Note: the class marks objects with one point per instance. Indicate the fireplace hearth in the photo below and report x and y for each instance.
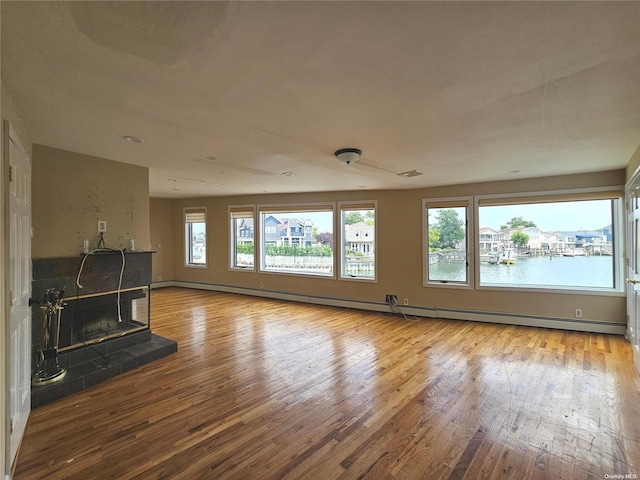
(104, 326)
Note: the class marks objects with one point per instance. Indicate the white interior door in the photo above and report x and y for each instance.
(19, 328)
(633, 266)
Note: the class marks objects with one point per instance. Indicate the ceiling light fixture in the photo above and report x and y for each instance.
(287, 174)
(131, 138)
(348, 155)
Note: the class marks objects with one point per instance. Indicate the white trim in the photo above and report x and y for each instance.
(548, 193)
(342, 206)
(266, 209)
(618, 222)
(565, 290)
(4, 293)
(187, 243)
(582, 325)
(470, 236)
(295, 207)
(163, 284)
(233, 238)
(629, 251)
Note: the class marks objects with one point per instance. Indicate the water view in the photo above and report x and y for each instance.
(586, 271)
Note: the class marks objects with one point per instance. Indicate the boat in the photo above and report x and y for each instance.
(508, 257)
(574, 252)
(491, 258)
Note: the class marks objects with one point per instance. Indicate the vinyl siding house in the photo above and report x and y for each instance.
(245, 232)
(360, 237)
(489, 239)
(288, 231)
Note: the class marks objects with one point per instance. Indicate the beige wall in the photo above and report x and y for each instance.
(72, 191)
(162, 238)
(399, 249)
(10, 113)
(633, 164)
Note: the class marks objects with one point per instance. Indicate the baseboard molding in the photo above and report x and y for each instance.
(581, 325)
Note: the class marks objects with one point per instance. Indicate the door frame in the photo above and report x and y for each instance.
(8, 458)
(4, 291)
(631, 290)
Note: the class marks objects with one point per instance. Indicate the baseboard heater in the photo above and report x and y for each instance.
(579, 325)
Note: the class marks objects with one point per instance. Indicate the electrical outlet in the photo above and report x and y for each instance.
(102, 226)
(261, 285)
(159, 246)
(159, 278)
(406, 301)
(391, 299)
(578, 313)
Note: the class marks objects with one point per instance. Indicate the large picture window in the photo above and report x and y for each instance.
(446, 241)
(297, 239)
(562, 241)
(242, 237)
(358, 223)
(195, 229)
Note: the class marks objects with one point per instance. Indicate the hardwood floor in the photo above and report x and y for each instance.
(265, 389)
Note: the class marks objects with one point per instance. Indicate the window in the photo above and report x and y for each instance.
(241, 239)
(446, 242)
(297, 239)
(561, 241)
(195, 228)
(358, 252)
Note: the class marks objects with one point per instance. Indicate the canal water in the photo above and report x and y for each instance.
(588, 271)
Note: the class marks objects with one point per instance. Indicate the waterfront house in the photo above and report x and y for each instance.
(593, 241)
(489, 239)
(360, 237)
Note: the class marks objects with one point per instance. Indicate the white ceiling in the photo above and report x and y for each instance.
(228, 96)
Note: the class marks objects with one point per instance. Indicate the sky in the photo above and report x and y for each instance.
(560, 216)
(322, 220)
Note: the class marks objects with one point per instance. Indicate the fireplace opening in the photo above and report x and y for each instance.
(94, 318)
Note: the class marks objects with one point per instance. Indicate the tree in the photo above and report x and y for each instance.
(245, 248)
(450, 227)
(520, 239)
(353, 217)
(325, 238)
(516, 222)
(370, 217)
(434, 237)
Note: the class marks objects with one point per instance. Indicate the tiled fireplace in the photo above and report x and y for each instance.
(104, 326)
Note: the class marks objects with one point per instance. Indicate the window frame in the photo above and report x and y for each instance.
(237, 212)
(188, 235)
(470, 235)
(279, 208)
(596, 193)
(354, 206)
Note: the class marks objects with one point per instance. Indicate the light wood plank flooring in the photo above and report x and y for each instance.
(265, 389)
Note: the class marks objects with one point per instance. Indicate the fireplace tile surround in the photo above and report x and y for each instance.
(94, 352)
